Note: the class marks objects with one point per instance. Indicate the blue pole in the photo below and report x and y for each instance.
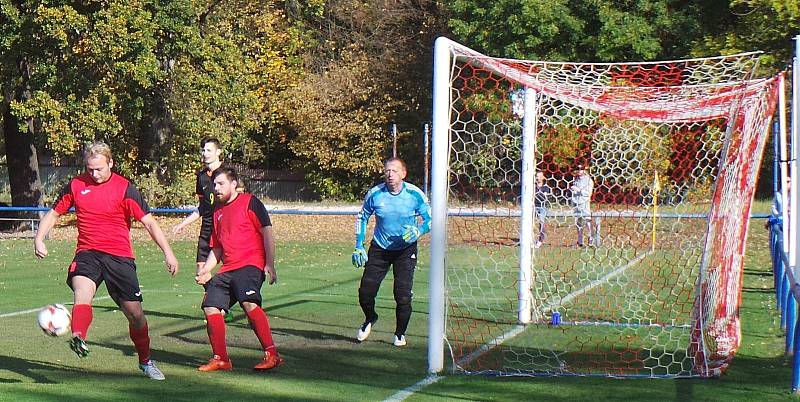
(777, 263)
(787, 315)
(791, 317)
(796, 362)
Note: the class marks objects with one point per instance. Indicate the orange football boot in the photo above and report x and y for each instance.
(216, 364)
(271, 360)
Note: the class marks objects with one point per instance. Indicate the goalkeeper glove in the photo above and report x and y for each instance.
(411, 233)
(359, 257)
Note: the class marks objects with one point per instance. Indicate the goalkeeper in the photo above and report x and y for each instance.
(398, 207)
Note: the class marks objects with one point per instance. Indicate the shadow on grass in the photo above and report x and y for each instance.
(748, 289)
(159, 355)
(31, 369)
(755, 272)
(749, 378)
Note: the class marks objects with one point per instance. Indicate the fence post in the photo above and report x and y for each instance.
(394, 140)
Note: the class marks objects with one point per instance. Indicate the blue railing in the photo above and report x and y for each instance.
(787, 292)
(279, 211)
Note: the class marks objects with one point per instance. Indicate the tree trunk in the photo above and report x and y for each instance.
(21, 155)
(23, 164)
(153, 144)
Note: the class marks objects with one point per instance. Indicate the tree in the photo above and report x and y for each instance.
(368, 64)
(746, 25)
(149, 77)
(86, 69)
(340, 118)
(586, 30)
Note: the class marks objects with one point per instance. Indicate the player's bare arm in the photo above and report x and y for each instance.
(46, 223)
(195, 215)
(269, 253)
(158, 236)
(203, 274)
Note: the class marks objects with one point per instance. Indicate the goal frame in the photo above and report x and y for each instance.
(443, 63)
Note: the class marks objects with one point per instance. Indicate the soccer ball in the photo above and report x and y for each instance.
(54, 319)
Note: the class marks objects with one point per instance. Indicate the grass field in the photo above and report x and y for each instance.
(314, 313)
(625, 303)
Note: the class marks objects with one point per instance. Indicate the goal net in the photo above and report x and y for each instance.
(625, 259)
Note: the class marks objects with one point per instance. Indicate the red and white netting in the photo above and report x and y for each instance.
(673, 150)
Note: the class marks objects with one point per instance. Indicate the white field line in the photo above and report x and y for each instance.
(34, 310)
(410, 390)
(595, 283)
(189, 292)
(20, 312)
(199, 292)
(518, 329)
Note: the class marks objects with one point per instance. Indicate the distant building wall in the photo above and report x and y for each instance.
(53, 179)
(278, 185)
(275, 185)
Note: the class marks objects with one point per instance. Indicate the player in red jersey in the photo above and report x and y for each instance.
(242, 238)
(105, 203)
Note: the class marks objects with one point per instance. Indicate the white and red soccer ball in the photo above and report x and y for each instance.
(55, 319)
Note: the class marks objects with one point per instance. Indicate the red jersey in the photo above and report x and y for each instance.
(104, 212)
(237, 229)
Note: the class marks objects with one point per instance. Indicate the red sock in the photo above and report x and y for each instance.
(216, 335)
(260, 324)
(81, 319)
(141, 341)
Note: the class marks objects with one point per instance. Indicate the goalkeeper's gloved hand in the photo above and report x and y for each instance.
(411, 233)
(359, 257)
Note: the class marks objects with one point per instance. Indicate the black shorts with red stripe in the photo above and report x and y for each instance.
(240, 285)
(119, 274)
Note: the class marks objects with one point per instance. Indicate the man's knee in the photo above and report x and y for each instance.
(367, 292)
(249, 306)
(403, 298)
(133, 312)
(369, 285)
(211, 310)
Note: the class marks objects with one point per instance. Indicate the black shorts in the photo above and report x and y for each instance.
(119, 274)
(240, 285)
(204, 240)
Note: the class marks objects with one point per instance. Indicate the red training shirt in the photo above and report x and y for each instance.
(104, 212)
(237, 229)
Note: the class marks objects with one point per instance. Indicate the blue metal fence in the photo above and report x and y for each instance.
(787, 292)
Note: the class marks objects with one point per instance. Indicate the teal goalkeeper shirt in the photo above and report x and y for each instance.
(393, 212)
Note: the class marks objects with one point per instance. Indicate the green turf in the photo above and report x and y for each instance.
(625, 303)
(313, 312)
(622, 312)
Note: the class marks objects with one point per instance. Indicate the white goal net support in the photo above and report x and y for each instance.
(626, 259)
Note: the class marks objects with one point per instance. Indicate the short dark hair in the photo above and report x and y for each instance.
(396, 159)
(212, 140)
(228, 171)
